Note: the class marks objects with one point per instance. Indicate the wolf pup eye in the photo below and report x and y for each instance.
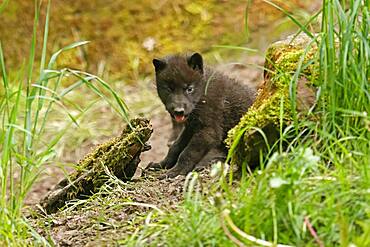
(190, 89)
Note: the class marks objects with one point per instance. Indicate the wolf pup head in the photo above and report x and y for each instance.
(180, 83)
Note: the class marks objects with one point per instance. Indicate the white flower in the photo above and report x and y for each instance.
(277, 182)
(219, 168)
(149, 43)
(310, 158)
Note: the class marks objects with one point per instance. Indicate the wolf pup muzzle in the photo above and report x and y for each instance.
(179, 115)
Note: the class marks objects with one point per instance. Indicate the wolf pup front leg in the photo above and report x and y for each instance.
(197, 149)
(174, 151)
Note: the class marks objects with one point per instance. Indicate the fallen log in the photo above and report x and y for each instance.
(119, 156)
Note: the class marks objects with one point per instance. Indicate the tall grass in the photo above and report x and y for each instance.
(28, 98)
(316, 192)
(345, 74)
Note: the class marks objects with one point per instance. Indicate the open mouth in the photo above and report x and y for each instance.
(180, 118)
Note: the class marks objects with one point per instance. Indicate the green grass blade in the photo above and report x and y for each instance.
(3, 70)
(246, 19)
(122, 110)
(45, 41)
(290, 16)
(69, 47)
(7, 149)
(28, 106)
(236, 48)
(3, 5)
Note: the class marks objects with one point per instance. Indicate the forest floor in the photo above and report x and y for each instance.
(109, 218)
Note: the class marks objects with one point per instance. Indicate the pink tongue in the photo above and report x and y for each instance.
(179, 118)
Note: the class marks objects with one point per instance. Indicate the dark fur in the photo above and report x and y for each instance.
(212, 105)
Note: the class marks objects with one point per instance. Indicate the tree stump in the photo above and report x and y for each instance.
(281, 63)
(119, 156)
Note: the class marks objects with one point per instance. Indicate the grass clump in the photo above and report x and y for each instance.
(27, 100)
(295, 200)
(315, 192)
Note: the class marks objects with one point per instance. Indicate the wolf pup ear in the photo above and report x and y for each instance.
(159, 65)
(196, 62)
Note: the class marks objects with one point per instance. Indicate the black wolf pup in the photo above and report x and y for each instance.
(207, 102)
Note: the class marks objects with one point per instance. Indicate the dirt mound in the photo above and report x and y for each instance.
(113, 214)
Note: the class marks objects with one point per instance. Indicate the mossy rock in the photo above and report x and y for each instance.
(282, 61)
(118, 156)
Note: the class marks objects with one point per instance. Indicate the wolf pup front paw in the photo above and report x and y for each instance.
(176, 171)
(164, 164)
(170, 174)
(154, 166)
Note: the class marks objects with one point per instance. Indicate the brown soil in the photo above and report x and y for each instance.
(114, 214)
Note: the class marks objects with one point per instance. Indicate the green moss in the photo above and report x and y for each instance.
(114, 155)
(259, 116)
(282, 59)
(118, 156)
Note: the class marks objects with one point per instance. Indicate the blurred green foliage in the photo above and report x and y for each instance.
(118, 30)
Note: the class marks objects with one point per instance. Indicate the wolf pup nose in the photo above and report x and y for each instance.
(206, 102)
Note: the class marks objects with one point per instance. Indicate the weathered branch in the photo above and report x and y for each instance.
(120, 156)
